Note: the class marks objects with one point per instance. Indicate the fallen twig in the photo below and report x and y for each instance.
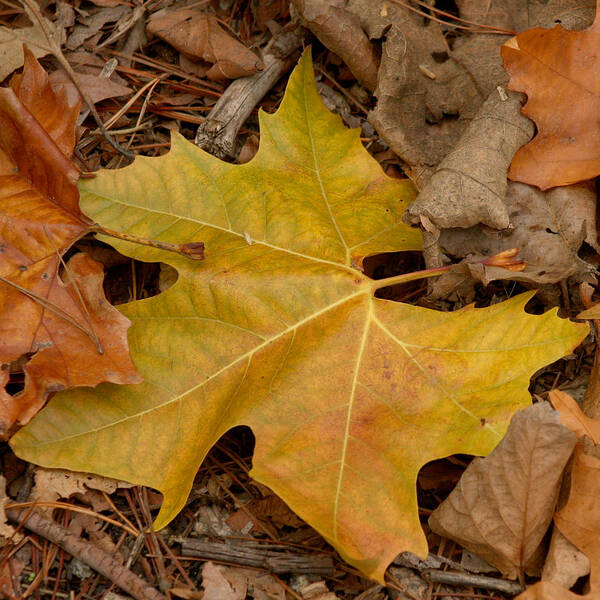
(275, 558)
(479, 581)
(217, 134)
(87, 553)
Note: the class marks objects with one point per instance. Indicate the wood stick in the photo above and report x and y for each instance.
(218, 133)
(274, 558)
(86, 552)
(479, 581)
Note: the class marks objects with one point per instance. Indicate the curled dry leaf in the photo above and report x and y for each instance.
(40, 219)
(554, 67)
(548, 228)
(340, 30)
(469, 185)
(503, 504)
(198, 34)
(278, 329)
(427, 92)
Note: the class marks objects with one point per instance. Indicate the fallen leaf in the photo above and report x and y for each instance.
(40, 220)
(6, 531)
(548, 590)
(348, 395)
(217, 586)
(91, 25)
(53, 484)
(198, 34)
(503, 504)
(579, 519)
(564, 564)
(340, 30)
(13, 40)
(98, 88)
(572, 417)
(548, 228)
(469, 185)
(233, 583)
(553, 67)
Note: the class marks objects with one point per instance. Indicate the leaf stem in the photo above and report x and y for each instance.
(507, 259)
(194, 250)
(406, 277)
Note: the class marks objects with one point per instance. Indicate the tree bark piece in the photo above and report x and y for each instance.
(86, 552)
(218, 133)
(275, 558)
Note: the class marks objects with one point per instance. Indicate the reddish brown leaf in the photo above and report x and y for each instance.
(39, 220)
(556, 68)
(199, 34)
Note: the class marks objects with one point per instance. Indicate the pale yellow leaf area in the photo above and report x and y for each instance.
(347, 395)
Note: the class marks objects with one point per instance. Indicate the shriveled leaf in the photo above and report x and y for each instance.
(198, 34)
(556, 68)
(503, 504)
(340, 30)
(348, 395)
(548, 228)
(40, 219)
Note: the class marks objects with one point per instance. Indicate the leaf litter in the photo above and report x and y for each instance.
(576, 236)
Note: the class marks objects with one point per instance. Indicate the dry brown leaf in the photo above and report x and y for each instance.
(233, 583)
(470, 183)
(572, 417)
(565, 564)
(340, 30)
(553, 67)
(548, 228)
(40, 219)
(91, 25)
(6, 531)
(198, 34)
(53, 484)
(426, 92)
(98, 88)
(579, 519)
(13, 40)
(548, 590)
(503, 504)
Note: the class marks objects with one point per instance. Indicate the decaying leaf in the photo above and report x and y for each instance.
(469, 185)
(554, 67)
(6, 531)
(40, 219)
(12, 40)
(504, 503)
(340, 30)
(348, 395)
(548, 228)
(233, 583)
(579, 519)
(198, 34)
(98, 88)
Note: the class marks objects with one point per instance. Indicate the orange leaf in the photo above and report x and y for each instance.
(557, 70)
(573, 418)
(40, 219)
